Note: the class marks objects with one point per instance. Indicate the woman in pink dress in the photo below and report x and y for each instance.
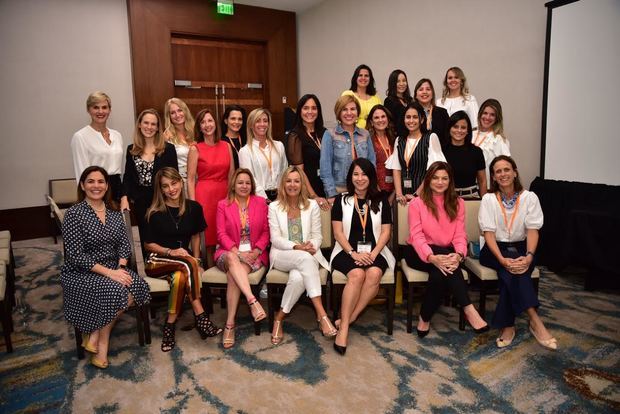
(209, 168)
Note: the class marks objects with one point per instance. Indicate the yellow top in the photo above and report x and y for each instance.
(365, 106)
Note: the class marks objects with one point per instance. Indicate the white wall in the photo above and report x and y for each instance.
(54, 53)
(500, 44)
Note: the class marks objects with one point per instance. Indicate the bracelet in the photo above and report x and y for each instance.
(350, 252)
(462, 257)
(199, 260)
(167, 254)
(529, 253)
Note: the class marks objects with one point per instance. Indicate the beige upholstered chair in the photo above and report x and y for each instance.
(6, 256)
(57, 215)
(63, 192)
(5, 309)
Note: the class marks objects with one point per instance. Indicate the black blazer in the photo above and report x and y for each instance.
(440, 122)
(396, 108)
(168, 158)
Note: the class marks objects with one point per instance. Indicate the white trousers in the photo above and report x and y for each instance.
(303, 275)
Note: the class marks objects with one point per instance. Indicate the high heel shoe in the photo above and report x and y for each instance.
(421, 333)
(88, 348)
(258, 313)
(228, 339)
(205, 327)
(332, 330)
(340, 349)
(98, 363)
(275, 338)
(484, 329)
(545, 343)
(167, 341)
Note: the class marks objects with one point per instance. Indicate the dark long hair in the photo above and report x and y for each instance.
(299, 126)
(456, 117)
(224, 127)
(517, 182)
(393, 80)
(402, 129)
(450, 200)
(370, 89)
(107, 197)
(419, 84)
(389, 132)
(373, 194)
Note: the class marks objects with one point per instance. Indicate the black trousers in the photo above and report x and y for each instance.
(438, 284)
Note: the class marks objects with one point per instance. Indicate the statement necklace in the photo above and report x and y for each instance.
(509, 202)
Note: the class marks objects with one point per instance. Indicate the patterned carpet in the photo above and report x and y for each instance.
(448, 372)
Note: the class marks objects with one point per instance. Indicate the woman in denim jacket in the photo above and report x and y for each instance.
(341, 145)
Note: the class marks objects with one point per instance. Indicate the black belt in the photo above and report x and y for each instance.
(466, 191)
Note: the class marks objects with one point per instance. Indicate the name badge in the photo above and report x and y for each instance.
(364, 247)
(408, 183)
(245, 247)
(318, 173)
(389, 179)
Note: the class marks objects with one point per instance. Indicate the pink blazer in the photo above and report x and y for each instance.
(228, 225)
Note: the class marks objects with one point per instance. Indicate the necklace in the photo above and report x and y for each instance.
(176, 222)
(509, 202)
(96, 209)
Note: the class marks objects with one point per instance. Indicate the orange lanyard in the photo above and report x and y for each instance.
(268, 159)
(232, 144)
(514, 214)
(409, 154)
(363, 217)
(387, 151)
(243, 214)
(478, 142)
(316, 141)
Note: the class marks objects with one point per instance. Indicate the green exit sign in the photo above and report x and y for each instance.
(225, 7)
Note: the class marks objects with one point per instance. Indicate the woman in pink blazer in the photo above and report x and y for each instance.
(242, 237)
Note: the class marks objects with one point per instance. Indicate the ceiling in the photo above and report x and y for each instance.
(297, 6)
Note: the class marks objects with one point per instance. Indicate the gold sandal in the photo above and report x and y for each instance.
(258, 313)
(332, 330)
(228, 339)
(275, 339)
(98, 363)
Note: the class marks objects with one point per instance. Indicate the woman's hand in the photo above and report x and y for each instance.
(401, 199)
(362, 259)
(331, 200)
(323, 203)
(120, 275)
(306, 247)
(180, 252)
(124, 203)
(442, 262)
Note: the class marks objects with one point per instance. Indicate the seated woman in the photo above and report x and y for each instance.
(362, 225)
(295, 227)
(437, 233)
(172, 236)
(96, 285)
(510, 218)
(242, 237)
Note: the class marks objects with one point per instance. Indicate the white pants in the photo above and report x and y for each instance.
(303, 275)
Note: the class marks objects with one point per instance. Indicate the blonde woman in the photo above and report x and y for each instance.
(490, 136)
(179, 130)
(262, 155)
(295, 228)
(456, 97)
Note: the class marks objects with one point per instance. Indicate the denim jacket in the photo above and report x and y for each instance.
(336, 156)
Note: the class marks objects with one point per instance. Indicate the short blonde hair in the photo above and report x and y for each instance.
(343, 101)
(97, 97)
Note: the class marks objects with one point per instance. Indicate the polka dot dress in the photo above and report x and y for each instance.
(91, 301)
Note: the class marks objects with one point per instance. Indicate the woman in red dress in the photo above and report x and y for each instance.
(381, 128)
(209, 167)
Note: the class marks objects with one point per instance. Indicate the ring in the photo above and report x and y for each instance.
(320, 203)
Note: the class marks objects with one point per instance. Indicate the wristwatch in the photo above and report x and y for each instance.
(350, 252)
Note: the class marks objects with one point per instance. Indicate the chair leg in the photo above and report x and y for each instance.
(270, 310)
(140, 326)
(78, 343)
(409, 307)
(483, 298)
(147, 323)
(461, 319)
(208, 299)
(255, 292)
(7, 323)
(390, 308)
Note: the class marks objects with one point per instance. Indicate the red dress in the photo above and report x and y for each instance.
(212, 182)
(382, 171)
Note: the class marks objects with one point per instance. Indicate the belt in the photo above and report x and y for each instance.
(467, 190)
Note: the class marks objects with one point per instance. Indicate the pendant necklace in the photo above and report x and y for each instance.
(176, 222)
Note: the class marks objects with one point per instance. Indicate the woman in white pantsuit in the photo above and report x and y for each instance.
(295, 227)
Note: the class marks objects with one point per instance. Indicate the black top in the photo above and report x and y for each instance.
(301, 149)
(131, 185)
(466, 161)
(356, 224)
(396, 108)
(236, 145)
(170, 231)
(439, 124)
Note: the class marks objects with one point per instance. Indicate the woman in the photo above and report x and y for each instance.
(362, 225)
(303, 148)
(173, 239)
(510, 218)
(466, 160)
(437, 233)
(264, 157)
(210, 166)
(145, 157)
(341, 146)
(364, 91)
(436, 117)
(456, 97)
(179, 131)
(96, 144)
(489, 136)
(413, 154)
(398, 95)
(233, 131)
(242, 239)
(295, 228)
(381, 130)
(97, 287)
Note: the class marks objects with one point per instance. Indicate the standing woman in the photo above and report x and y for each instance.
(264, 157)
(413, 154)
(398, 95)
(96, 285)
(96, 144)
(179, 131)
(437, 234)
(342, 145)
(173, 238)
(242, 239)
(456, 97)
(362, 224)
(303, 148)
(233, 131)
(381, 130)
(466, 160)
(145, 157)
(510, 218)
(490, 134)
(210, 166)
(437, 118)
(364, 91)
(295, 228)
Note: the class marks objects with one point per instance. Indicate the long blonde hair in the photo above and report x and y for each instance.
(252, 119)
(170, 132)
(464, 88)
(159, 200)
(303, 194)
(138, 139)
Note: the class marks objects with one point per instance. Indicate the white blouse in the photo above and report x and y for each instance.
(182, 153)
(90, 148)
(469, 105)
(255, 159)
(529, 216)
(434, 152)
(491, 145)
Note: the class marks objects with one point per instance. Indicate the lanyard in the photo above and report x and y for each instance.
(316, 141)
(363, 217)
(478, 142)
(243, 214)
(429, 119)
(232, 143)
(387, 151)
(409, 154)
(268, 159)
(514, 214)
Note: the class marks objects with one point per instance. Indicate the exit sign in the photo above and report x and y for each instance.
(225, 7)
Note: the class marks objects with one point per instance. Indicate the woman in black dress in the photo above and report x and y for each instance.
(233, 131)
(172, 237)
(303, 148)
(362, 225)
(436, 117)
(97, 287)
(398, 95)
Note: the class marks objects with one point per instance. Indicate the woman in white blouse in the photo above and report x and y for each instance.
(263, 156)
(295, 228)
(490, 135)
(96, 144)
(179, 131)
(456, 97)
(510, 218)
